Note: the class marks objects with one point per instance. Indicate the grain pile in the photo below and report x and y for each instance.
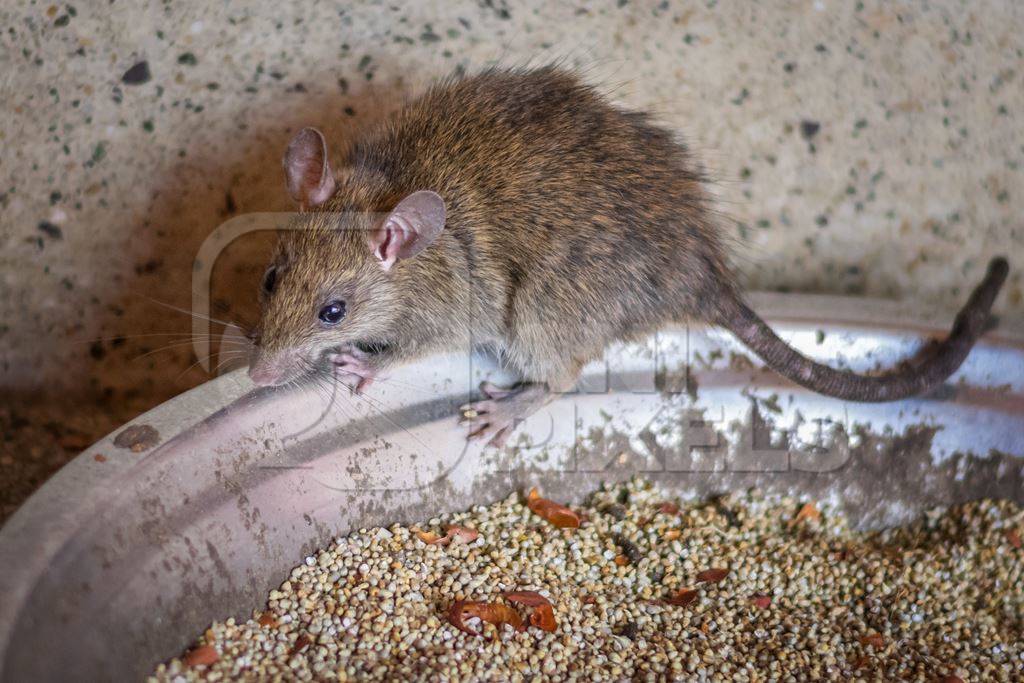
(738, 588)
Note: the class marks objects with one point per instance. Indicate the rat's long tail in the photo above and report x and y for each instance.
(893, 385)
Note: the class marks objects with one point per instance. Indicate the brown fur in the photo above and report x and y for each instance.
(571, 224)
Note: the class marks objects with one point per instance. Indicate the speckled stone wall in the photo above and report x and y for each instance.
(858, 147)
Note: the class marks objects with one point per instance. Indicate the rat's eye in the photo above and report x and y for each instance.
(332, 313)
(269, 280)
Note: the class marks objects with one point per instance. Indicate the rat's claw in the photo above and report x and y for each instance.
(353, 381)
(499, 439)
(352, 369)
(485, 421)
(495, 433)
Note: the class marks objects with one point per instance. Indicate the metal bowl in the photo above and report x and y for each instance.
(198, 508)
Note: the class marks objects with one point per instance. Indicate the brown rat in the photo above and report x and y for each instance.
(519, 209)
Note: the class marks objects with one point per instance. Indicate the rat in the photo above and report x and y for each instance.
(519, 209)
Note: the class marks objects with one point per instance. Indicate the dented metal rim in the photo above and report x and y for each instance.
(195, 510)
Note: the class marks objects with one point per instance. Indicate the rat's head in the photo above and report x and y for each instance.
(333, 280)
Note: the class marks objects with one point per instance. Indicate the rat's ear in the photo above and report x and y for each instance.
(307, 171)
(409, 228)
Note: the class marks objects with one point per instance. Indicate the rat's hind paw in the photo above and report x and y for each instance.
(497, 415)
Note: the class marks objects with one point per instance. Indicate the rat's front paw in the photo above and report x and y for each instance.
(353, 368)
